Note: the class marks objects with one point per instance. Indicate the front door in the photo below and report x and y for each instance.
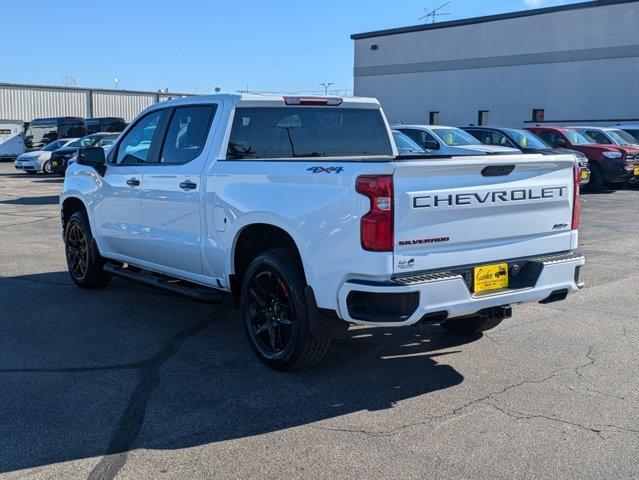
(117, 210)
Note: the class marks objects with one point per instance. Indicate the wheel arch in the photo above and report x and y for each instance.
(71, 205)
(250, 241)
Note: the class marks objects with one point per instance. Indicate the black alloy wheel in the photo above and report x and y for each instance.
(269, 312)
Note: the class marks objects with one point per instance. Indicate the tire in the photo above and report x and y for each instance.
(470, 325)
(84, 262)
(274, 313)
(596, 183)
(47, 169)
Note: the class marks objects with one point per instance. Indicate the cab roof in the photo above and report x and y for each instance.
(271, 99)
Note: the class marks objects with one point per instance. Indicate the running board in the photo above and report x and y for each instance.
(179, 287)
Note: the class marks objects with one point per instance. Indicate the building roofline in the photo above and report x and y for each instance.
(488, 18)
(87, 89)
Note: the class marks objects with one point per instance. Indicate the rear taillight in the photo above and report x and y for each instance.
(576, 203)
(376, 228)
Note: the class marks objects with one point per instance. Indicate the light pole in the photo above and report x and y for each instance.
(116, 81)
(326, 85)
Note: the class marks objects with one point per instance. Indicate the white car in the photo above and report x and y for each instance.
(39, 161)
(451, 141)
(609, 136)
(302, 211)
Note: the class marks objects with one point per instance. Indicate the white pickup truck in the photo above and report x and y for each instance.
(302, 210)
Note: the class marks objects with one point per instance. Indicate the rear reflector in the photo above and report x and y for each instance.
(376, 227)
(328, 101)
(576, 202)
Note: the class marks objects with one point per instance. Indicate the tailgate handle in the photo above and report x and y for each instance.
(497, 170)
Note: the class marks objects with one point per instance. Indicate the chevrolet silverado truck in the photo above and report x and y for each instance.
(301, 209)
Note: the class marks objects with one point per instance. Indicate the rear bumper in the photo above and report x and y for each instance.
(446, 294)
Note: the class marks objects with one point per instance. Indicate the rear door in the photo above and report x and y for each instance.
(473, 210)
(171, 195)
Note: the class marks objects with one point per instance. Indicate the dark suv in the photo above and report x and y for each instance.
(527, 142)
(609, 164)
(42, 131)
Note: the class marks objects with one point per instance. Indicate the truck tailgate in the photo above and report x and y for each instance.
(473, 210)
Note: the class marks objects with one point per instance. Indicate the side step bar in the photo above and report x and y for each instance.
(179, 287)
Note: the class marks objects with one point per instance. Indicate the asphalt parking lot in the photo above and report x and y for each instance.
(130, 382)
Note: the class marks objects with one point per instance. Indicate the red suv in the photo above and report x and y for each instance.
(611, 165)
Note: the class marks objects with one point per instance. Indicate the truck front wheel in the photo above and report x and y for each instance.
(274, 312)
(84, 262)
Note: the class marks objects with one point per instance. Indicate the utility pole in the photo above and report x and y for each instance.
(326, 85)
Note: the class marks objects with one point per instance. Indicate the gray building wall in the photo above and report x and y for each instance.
(26, 102)
(576, 64)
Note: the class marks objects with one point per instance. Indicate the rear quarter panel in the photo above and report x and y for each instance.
(319, 208)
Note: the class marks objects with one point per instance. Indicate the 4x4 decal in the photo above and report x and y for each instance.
(328, 170)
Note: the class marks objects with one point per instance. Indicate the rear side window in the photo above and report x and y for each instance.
(187, 134)
(307, 132)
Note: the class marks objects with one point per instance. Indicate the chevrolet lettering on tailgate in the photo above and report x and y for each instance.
(490, 197)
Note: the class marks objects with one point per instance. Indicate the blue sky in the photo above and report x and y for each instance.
(196, 45)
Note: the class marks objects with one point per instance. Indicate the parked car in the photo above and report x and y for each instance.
(632, 129)
(405, 146)
(60, 158)
(450, 141)
(609, 136)
(46, 130)
(40, 160)
(527, 142)
(11, 140)
(104, 124)
(609, 164)
(300, 209)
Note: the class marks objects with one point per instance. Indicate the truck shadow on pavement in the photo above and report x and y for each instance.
(97, 373)
(46, 200)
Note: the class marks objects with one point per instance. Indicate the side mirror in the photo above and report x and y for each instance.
(561, 143)
(430, 145)
(92, 157)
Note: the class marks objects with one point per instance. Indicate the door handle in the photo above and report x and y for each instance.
(188, 185)
(133, 182)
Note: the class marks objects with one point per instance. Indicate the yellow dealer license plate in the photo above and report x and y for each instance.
(585, 174)
(490, 277)
(636, 171)
(55, 163)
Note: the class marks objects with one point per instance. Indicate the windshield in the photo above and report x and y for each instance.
(53, 146)
(88, 141)
(405, 144)
(526, 139)
(301, 132)
(622, 138)
(38, 135)
(634, 133)
(454, 137)
(576, 138)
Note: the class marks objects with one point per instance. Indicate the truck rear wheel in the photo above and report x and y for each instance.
(470, 325)
(84, 262)
(274, 313)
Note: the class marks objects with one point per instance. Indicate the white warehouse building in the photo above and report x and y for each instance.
(576, 63)
(26, 102)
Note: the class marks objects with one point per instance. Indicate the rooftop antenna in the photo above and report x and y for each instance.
(430, 16)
